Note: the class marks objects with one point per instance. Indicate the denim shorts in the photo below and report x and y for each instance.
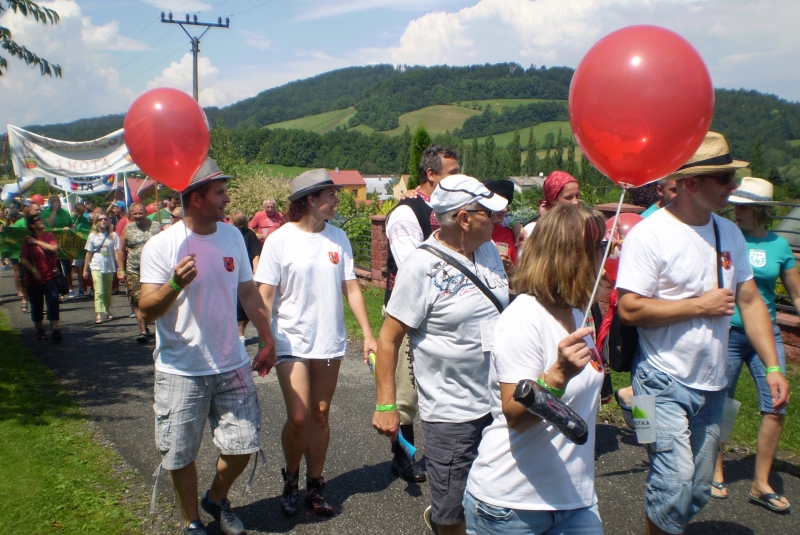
(741, 352)
(683, 456)
(182, 404)
(450, 450)
(483, 518)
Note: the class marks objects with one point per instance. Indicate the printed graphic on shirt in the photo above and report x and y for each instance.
(334, 257)
(758, 258)
(450, 281)
(727, 263)
(597, 361)
(229, 265)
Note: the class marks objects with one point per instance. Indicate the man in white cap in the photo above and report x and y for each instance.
(683, 271)
(189, 288)
(449, 319)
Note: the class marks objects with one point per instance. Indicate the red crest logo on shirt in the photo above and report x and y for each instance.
(727, 262)
(334, 257)
(229, 265)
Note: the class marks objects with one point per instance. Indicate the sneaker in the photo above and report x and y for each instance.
(290, 496)
(315, 499)
(142, 338)
(228, 522)
(56, 336)
(148, 333)
(81, 293)
(132, 315)
(40, 335)
(426, 516)
(195, 528)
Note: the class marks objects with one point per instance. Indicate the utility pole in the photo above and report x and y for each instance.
(195, 40)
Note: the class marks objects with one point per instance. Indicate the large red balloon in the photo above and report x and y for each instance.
(167, 136)
(640, 104)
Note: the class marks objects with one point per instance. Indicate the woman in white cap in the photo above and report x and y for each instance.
(304, 269)
(771, 258)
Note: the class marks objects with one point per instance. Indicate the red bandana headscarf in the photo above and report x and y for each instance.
(553, 185)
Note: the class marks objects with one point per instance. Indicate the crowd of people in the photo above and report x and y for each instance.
(475, 303)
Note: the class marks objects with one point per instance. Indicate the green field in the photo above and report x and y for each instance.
(794, 142)
(497, 104)
(436, 119)
(320, 123)
(273, 170)
(539, 133)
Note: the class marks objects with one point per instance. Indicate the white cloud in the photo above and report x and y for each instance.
(332, 8)
(180, 6)
(179, 74)
(256, 40)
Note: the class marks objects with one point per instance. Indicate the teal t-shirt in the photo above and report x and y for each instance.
(768, 257)
(650, 211)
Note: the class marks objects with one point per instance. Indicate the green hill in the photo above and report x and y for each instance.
(319, 123)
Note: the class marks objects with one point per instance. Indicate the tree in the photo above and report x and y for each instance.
(41, 14)
(405, 150)
(489, 162)
(515, 155)
(757, 166)
(475, 163)
(569, 165)
(222, 149)
(558, 156)
(419, 142)
(532, 162)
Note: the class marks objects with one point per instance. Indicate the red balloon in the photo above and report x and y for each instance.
(617, 231)
(38, 199)
(167, 136)
(151, 208)
(640, 104)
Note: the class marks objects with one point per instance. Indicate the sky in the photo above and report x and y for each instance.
(111, 51)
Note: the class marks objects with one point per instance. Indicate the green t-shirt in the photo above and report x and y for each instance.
(769, 256)
(83, 225)
(63, 219)
(162, 216)
(20, 223)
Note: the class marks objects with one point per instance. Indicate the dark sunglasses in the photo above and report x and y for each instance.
(102, 219)
(488, 213)
(174, 216)
(722, 180)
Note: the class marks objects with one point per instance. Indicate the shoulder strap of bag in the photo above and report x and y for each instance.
(470, 275)
(720, 279)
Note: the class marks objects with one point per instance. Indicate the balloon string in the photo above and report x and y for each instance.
(185, 230)
(603, 263)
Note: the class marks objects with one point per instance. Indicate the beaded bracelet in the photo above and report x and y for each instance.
(774, 369)
(386, 408)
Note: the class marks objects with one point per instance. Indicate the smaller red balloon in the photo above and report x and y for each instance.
(616, 230)
(38, 199)
(151, 208)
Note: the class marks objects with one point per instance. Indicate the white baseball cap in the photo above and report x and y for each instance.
(457, 191)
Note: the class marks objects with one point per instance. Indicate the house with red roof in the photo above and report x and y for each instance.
(351, 181)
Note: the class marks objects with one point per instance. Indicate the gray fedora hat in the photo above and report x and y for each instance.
(311, 182)
(208, 172)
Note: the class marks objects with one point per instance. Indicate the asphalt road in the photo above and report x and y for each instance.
(111, 376)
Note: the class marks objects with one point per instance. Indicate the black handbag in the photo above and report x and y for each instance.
(61, 280)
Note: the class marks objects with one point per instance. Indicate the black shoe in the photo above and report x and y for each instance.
(404, 467)
(315, 499)
(142, 338)
(56, 336)
(290, 496)
(228, 522)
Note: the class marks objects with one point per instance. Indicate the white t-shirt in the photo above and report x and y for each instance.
(198, 335)
(444, 311)
(102, 247)
(308, 270)
(538, 469)
(663, 258)
(403, 232)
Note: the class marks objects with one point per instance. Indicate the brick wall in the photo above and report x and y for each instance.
(790, 332)
(380, 250)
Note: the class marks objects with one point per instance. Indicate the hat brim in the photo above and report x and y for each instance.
(733, 199)
(706, 169)
(297, 195)
(196, 185)
(495, 203)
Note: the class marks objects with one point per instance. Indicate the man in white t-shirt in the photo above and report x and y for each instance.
(679, 288)
(191, 275)
(410, 223)
(449, 321)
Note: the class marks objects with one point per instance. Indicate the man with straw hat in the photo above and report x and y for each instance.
(683, 270)
(191, 276)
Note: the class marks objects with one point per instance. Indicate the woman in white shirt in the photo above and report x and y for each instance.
(100, 260)
(528, 477)
(304, 269)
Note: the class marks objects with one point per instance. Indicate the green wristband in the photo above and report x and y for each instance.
(775, 369)
(386, 408)
(174, 285)
(557, 392)
(262, 344)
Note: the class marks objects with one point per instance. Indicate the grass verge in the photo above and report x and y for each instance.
(53, 477)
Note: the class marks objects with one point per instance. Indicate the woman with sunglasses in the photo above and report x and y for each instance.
(528, 477)
(100, 260)
(39, 258)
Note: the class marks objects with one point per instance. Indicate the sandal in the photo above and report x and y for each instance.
(97, 320)
(24, 306)
(765, 500)
(719, 486)
(290, 496)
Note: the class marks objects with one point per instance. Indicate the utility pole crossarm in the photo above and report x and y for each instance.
(195, 40)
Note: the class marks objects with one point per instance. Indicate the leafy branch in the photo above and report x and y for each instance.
(45, 15)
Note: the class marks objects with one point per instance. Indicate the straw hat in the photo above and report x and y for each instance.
(713, 156)
(753, 191)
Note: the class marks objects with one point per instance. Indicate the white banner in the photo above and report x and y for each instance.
(81, 167)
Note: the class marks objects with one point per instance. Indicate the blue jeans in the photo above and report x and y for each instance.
(683, 456)
(483, 518)
(740, 352)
